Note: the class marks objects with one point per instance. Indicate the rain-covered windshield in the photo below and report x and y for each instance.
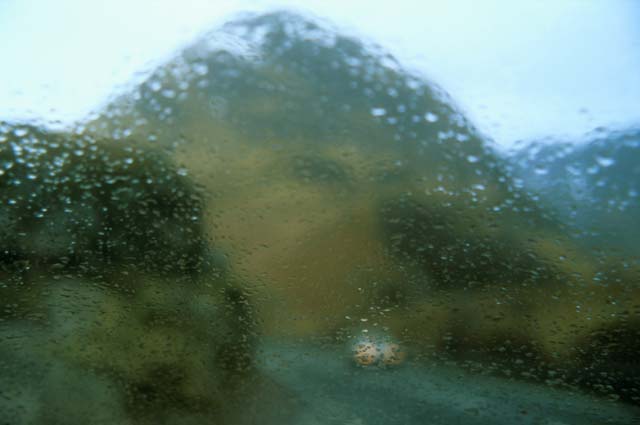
(284, 223)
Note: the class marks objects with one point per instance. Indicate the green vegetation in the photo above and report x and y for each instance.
(115, 302)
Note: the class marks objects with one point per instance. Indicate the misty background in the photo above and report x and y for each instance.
(520, 71)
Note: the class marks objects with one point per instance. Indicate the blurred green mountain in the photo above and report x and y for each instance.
(595, 185)
(341, 185)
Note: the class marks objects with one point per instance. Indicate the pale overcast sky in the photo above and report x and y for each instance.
(519, 69)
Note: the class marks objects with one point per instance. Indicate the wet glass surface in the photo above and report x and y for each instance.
(282, 224)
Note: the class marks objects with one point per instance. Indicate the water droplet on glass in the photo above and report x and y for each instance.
(378, 112)
(541, 171)
(201, 69)
(168, 93)
(430, 117)
(462, 137)
(155, 85)
(604, 161)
